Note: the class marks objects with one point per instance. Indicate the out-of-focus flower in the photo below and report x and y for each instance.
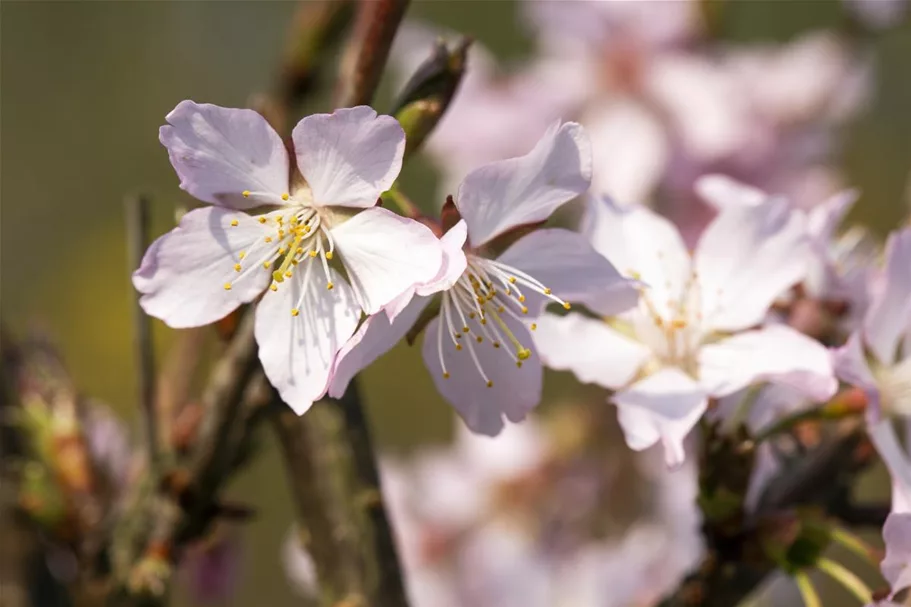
(210, 568)
(878, 13)
(690, 339)
(220, 257)
(478, 347)
(298, 564)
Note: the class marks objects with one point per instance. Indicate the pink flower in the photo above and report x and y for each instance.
(320, 251)
(479, 348)
(689, 339)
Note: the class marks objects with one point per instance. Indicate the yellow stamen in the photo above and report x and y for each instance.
(262, 220)
(227, 286)
(446, 375)
(566, 305)
(489, 383)
(523, 354)
(277, 276)
(246, 193)
(285, 196)
(458, 346)
(235, 223)
(479, 338)
(534, 326)
(330, 286)
(295, 311)
(547, 291)
(237, 267)
(512, 280)
(328, 254)
(273, 287)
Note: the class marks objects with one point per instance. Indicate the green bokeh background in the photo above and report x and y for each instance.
(85, 86)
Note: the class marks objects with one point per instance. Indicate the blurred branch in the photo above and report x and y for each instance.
(137, 218)
(364, 57)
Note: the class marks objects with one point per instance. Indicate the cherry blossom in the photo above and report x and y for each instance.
(478, 348)
(692, 336)
(316, 246)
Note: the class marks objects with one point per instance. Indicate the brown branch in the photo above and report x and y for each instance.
(365, 55)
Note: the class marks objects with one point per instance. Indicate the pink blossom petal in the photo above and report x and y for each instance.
(777, 353)
(896, 565)
(514, 393)
(589, 348)
(518, 191)
(722, 192)
(884, 438)
(376, 336)
(889, 315)
(566, 263)
(747, 257)
(298, 352)
(183, 274)
(643, 245)
(219, 153)
(386, 255)
(349, 157)
(850, 363)
(662, 407)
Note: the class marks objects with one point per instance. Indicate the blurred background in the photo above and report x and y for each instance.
(85, 86)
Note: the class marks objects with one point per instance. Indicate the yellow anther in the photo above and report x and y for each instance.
(458, 346)
(521, 299)
(512, 280)
(534, 326)
(278, 219)
(294, 262)
(277, 276)
(330, 286)
(273, 287)
(295, 311)
(523, 353)
(267, 264)
(489, 383)
(227, 286)
(457, 335)
(312, 253)
(483, 321)
(519, 364)
(246, 193)
(501, 309)
(328, 254)
(471, 315)
(479, 338)
(508, 292)
(466, 329)
(524, 310)
(235, 223)
(262, 220)
(288, 274)
(237, 267)
(445, 374)
(547, 291)
(496, 344)
(678, 323)
(241, 255)
(282, 250)
(285, 196)
(281, 233)
(307, 229)
(566, 305)
(268, 239)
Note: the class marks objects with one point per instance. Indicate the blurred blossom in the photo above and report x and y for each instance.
(896, 566)
(220, 257)
(298, 564)
(493, 523)
(210, 568)
(879, 13)
(477, 343)
(689, 338)
(109, 445)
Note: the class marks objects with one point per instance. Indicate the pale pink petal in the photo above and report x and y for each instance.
(823, 219)
(454, 264)
(896, 566)
(566, 263)
(514, 393)
(386, 255)
(219, 153)
(889, 315)
(349, 157)
(589, 348)
(776, 353)
(509, 193)
(747, 257)
(662, 407)
(376, 336)
(884, 438)
(298, 352)
(641, 245)
(183, 274)
(722, 192)
(850, 364)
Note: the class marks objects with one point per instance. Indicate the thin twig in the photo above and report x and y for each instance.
(137, 214)
(365, 56)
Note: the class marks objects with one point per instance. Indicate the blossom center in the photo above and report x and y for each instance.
(474, 312)
(300, 239)
(672, 330)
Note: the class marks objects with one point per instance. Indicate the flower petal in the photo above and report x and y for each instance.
(566, 263)
(298, 352)
(376, 336)
(386, 255)
(896, 566)
(723, 192)
(589, 348)
(219, 153)
(883, 436)
(509, 193)
(643, 245)
(746, 258)
(349, 157)
(515, 391)
(776, 353)
(662, 407)
(889, 315)
(183, 274)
